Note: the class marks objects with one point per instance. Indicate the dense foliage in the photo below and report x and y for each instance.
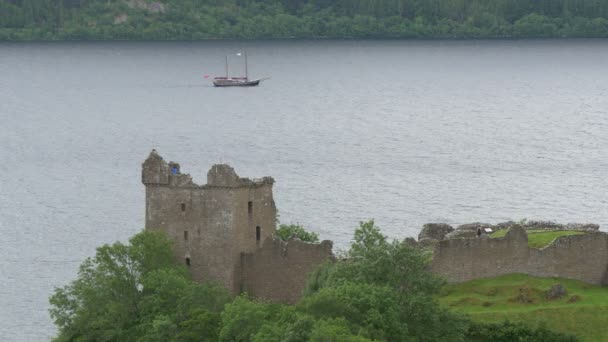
(213, 19)
(288, 232)
(509, 332)
(380, 291)
(137, 292)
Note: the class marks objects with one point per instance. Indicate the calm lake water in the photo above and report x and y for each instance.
(405, 132)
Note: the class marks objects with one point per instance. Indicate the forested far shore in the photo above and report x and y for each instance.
(249, 19)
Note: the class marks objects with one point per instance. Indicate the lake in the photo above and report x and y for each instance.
(405, 132)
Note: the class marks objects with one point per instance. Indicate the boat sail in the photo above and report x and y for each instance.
(229, 81)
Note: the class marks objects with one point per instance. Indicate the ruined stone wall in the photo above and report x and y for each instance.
(224, 230)
(581, 257)
(201, 224)
(210, 224)
(278, 270)
(253, 208)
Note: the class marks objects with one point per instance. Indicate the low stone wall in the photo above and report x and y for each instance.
(582, 257)
(278, 270)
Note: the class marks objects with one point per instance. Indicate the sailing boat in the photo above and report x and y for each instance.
(228, 81)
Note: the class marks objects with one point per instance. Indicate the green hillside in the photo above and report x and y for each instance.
(220, 19)
(521, 298)
(539, 238)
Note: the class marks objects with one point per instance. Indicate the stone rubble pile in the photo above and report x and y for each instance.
(431, 233)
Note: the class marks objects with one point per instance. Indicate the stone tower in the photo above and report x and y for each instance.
(212, 225)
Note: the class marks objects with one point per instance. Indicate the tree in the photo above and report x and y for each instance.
(334, 330)
(535, 25)
(198, 19)
(243, 318)
(288, 232)
(372, 259)
(392, 282)
(135, 291)
(372, 311)
(381, 291)
(507, 332)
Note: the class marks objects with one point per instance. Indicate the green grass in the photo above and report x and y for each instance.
(539, 238)
(582, 312)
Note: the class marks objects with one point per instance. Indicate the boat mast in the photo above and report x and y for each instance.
(246, 71)
(226, 66)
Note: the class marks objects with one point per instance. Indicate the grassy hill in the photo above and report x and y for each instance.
(539, 238)
(521, 298)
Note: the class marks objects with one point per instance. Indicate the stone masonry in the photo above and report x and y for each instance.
(224, 230)
(278, 270)
(582, 257)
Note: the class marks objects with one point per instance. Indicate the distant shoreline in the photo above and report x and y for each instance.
(300, 19)
(442, 38)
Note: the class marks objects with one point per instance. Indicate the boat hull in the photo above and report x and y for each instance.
(235, 83)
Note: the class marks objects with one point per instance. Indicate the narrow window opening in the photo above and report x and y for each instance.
(185, 235)
(187, 261)
(250, 207)
(183, 206)
(258, 232)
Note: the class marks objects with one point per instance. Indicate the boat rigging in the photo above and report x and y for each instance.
(228, 81)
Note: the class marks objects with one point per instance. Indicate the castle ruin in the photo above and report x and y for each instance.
(224, 230)
(582, 257)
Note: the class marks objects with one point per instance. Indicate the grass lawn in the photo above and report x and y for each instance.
(582, 312)
(539, 238)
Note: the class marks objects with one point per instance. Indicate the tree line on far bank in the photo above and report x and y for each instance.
(248, 19)
(380, 290)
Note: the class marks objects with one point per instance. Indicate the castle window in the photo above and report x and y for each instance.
(183, 206)
(258, 233)
(187, 261)
(185, 235)
(250, 207)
